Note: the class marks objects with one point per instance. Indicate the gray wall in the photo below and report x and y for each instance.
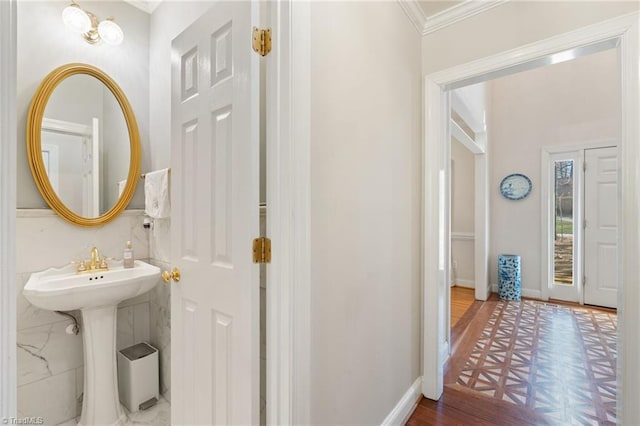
(366, 95)
(44, 43)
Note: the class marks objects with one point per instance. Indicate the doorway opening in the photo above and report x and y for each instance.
(525, 114)
(620, 32)
(468, 207)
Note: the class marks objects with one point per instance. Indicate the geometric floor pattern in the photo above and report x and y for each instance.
(557, 360)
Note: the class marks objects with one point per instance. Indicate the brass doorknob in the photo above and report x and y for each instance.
(173, 275)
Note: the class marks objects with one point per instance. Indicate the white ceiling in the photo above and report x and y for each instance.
(146, 5)
(432, 7)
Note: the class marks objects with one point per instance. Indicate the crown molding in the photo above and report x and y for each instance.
(456, 13)
(415, 14)
(147, 6)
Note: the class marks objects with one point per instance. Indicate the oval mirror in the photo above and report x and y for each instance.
(83, 145)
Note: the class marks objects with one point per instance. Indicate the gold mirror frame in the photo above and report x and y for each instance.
(34, 145)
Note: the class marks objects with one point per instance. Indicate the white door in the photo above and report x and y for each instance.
(214, 198)
(601, 227)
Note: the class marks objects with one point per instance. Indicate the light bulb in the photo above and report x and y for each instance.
(76, 19)
(110, 32)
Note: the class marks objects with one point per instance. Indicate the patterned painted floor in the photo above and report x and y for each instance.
(557, 360)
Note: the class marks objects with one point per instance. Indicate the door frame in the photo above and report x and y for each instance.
(624, 30)
(289, 213)
(8, 172)
(546, 246)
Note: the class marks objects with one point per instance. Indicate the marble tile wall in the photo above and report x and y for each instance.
(50, 361)
(160, 320)
(160, 301)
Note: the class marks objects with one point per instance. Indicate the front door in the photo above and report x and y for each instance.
(601, 227)
(214, 198)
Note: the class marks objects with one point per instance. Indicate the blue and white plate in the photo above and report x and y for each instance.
(515, 186)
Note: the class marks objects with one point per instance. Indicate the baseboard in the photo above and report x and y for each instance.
(526, 292)
(406, 406)
(465, 283)
(533, 294)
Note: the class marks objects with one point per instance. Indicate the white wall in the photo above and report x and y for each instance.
(44, 43)
(568, 103)
(462, 215)
(510, 25)
(365, 210)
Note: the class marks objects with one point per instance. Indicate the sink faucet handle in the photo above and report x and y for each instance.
(104, 260)
(82, 265)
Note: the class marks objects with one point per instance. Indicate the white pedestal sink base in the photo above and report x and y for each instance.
(97, 295)
(101, 402)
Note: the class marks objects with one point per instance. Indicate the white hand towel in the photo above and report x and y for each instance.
(121, 185)
(156, 194)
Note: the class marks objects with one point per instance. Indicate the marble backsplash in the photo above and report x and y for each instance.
(50, 361)
(160, 301)
(160, 329)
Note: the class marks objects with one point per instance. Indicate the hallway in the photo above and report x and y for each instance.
(532, 362)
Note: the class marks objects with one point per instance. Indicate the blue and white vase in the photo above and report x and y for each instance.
(509, 272)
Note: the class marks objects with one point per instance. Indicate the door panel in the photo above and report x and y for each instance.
(566, 199)
(215, 309)
(601, 216)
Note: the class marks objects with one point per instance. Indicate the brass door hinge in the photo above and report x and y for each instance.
(262, 41)
(262, 250)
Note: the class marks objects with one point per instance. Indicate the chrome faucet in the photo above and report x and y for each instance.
(95, 263)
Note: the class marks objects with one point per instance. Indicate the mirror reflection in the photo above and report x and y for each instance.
(85, 145)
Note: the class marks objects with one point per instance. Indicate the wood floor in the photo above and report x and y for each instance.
(527, 363)
(459, 406)
(461, 299)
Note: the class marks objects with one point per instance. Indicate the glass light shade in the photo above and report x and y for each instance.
(110, 32)
(76, 19)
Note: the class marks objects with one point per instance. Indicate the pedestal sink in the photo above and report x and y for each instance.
(97, 295)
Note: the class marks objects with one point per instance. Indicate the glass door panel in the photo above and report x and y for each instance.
(563, 247)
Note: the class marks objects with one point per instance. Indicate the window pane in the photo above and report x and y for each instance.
(563, 200)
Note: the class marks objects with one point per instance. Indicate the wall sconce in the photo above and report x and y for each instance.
(86, 24)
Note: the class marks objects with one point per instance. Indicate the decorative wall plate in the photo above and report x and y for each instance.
(515, 186)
